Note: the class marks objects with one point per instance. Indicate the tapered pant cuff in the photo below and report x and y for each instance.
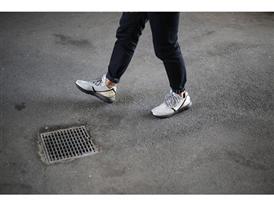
(114, 80)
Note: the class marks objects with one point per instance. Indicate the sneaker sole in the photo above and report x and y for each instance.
(176, 112)
(99, 96)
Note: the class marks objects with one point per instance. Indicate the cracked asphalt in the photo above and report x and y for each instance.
(223, 144)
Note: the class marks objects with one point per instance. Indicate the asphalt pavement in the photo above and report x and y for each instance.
(223, 144)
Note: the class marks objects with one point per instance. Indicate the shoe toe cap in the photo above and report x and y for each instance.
(79, 82)
(161, 110)
(83, 84)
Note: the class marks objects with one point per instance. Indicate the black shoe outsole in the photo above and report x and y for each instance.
(99, 96)
(176, 112)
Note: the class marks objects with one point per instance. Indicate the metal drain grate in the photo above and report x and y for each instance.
(66, 144)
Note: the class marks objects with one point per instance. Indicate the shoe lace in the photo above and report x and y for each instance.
(97, 82)
(172, 99)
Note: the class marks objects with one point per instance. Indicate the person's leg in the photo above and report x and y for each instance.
(130, 28)
(164, 27)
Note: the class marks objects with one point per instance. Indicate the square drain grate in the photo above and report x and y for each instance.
(67, 144)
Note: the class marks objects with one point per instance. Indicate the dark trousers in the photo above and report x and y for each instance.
(164, 27)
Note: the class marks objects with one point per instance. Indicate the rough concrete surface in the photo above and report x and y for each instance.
(224, 144)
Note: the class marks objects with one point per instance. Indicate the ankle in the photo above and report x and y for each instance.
(182, 94)
(110, 84)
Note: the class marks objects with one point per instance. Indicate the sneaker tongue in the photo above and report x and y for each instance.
(177, 95)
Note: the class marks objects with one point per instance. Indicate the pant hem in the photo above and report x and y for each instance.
(114, 80)
(178, 91)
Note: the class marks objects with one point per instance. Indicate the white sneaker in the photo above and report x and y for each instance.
(98, 88)
(172, 104)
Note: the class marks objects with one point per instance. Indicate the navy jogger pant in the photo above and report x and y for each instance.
(164, 27)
